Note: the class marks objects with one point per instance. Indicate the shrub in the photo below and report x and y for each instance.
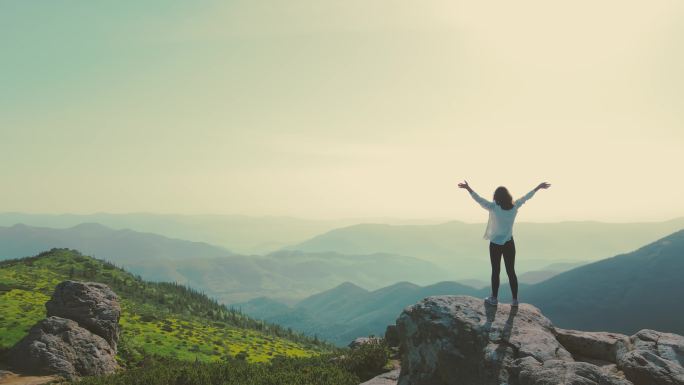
(289, 371)
(367, 360)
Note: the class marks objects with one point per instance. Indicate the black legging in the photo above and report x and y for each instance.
(508, 251)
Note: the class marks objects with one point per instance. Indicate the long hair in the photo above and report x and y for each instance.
(503, 198)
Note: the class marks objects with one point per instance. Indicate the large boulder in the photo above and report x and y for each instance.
(449, 340)
(60, 346)
(79, 336)
(457, 340)
(93, 305)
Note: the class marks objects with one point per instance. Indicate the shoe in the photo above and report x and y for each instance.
(491, 301)
(514, 303)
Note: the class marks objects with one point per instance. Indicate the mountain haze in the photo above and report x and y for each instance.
(117, 246)
(240, 233)
(459, 247)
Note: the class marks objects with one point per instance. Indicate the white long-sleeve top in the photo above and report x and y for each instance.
(500, 224)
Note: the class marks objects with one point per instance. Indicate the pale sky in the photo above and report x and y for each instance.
(355, 108)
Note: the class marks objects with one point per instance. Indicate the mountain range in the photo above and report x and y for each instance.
(222, 274)
(640, 289)
(626, 293)
(459, 248)
(240, 233)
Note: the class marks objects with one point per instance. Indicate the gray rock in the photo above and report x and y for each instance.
(449, 340)
(458, 340)
(652, 358)
(528, 371)
(93, 305)
(597, 345)
(60, 346)
(389, 378)
(363, 341)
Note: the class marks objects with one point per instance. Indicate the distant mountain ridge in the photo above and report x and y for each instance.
(95, 239)
(637, 290)
(459, 248)
(240, 233)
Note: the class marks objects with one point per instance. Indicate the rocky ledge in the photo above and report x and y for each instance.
(79, 336)
(449, 340)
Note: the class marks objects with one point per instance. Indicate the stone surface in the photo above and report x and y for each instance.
(652, 358)
(447, 340)
(93, 305)
(389, 378)
(528, 371)
(596, 345)
(60, 346)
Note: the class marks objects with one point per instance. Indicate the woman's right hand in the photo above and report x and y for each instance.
(465, 185)
(543, 185)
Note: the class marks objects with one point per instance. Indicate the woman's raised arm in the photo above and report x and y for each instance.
(487, 205)
(530, 194)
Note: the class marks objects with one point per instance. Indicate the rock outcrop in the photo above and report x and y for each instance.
(93, 305)
(58, 345)
(448, 340)
(79, 336)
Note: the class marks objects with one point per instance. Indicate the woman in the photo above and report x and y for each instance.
(499, 231)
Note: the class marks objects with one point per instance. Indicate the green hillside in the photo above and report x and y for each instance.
(162, 319)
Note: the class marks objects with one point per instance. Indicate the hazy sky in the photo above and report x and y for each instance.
(351, 108)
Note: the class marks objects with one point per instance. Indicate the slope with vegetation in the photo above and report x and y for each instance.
(163, 319)
(628, 292)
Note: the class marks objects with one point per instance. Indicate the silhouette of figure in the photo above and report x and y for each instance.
(499, 231)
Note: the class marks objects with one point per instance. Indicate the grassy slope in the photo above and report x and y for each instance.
(159, 318)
